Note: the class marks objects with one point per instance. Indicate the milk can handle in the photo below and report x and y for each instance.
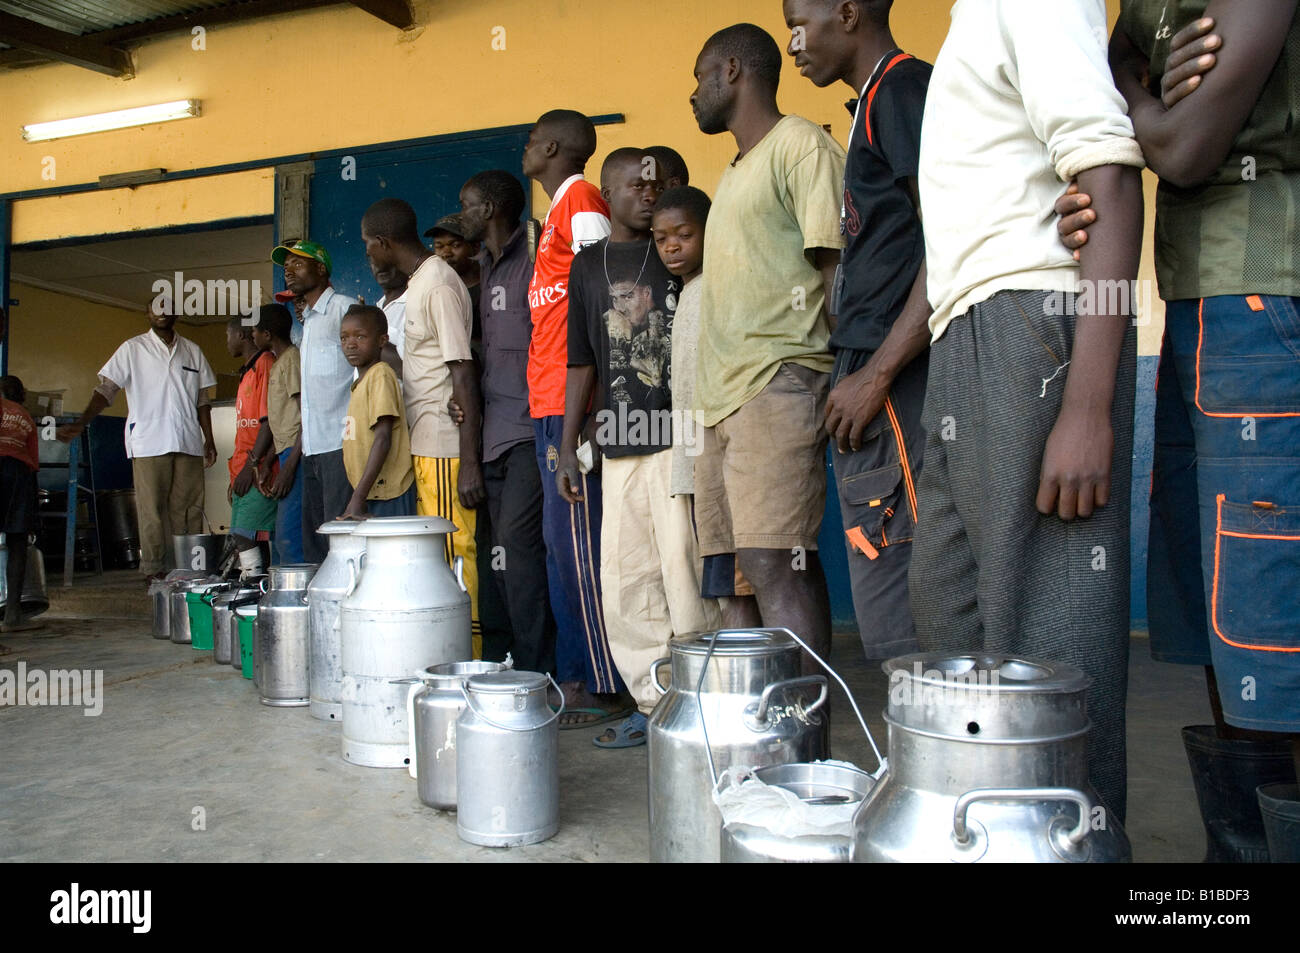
(464, 691)
(654, 674)
(764, 700)
(880, 759)
(458, 569)
(961, 834)
(352, 577)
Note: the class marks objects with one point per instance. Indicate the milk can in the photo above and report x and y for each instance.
(179, 607)
(403, 612)
(757, 710)
(200, 552)
(281, 638)
(987, 762)
(326, 592)
(507, 761)
(33, 599)
(160, 590)
(434, 703)
(225, 634)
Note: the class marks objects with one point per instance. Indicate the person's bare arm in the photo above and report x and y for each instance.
(383, 431)
(579, 385)
(283, 484)
(209, 444)
(246, 479)
(1075, 477)
(858, 398)
(69, 432)
(1185, 144)
(465, 390)
(388, 354)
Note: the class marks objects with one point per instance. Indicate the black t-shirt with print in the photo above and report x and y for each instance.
(884, 244)
(621, 306)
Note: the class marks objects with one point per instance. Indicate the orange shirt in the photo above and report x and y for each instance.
(18, 434)
(578, 217)
(250, 408)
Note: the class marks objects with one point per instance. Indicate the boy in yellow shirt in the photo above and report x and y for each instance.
(376, 442)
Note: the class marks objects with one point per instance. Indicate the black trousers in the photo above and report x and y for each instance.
(325, 495)
(516, 563)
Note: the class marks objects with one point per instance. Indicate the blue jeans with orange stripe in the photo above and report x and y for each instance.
(1228, 442)
(877, 491)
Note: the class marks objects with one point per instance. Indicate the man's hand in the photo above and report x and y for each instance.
(70, 432)
(454, 412)
(469, 485)
(852, 404)
(1076, 214)
(1075, 477)
(1191, 56)
(568, 477)
(209, 453)
(283, 484)
(243, 480)
(356, 510)
(589, 436)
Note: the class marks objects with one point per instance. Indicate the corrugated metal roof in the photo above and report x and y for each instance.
(89, 16)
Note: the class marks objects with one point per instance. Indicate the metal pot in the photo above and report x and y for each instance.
(507, 761)
(736, 698)
(199, 552)
(225, 634)
(403, 612)
(822, 787)
(33, 600)
(120, 535)
(987, 762)
(281, 637)
(324, 596)
(433, 705)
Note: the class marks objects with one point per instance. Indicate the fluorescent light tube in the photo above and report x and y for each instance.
(119, 119)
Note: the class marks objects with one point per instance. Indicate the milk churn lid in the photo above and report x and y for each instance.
(338, 527)
(404, 526)
(507, 682)
(981, 672)
(732, 642)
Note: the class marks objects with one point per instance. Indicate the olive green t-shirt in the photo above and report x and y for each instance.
(374, 395)
(1239, 232)
(763, 302)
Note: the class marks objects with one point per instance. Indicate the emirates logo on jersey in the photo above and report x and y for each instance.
(545, 243)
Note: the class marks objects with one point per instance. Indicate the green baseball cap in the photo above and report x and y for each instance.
(307, 249)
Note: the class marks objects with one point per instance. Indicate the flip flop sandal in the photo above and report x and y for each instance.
(603, 716)
(628, 733)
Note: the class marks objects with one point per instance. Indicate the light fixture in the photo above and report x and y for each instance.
(118, 119)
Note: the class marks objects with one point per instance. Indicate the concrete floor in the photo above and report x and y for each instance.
(178, 733)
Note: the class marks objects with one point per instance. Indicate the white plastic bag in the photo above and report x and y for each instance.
(743, 799)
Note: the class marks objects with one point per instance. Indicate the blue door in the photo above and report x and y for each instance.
(428, 176)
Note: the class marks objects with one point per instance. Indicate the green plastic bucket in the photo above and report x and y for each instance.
(200, 621)
(245, 622)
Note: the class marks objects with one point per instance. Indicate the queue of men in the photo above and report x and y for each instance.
(913, 300)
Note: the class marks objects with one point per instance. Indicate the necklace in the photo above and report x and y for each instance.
(644, 262)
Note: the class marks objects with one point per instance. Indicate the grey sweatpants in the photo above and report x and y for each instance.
(989, 572)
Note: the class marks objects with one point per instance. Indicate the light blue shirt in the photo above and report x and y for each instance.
(326, 374)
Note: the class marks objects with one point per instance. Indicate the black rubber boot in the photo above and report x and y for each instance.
(1226, 773)
(1280, 806)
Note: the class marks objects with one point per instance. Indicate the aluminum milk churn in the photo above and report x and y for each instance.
(987, 762)
(179, 607)
(507, 761)
(434, 703)
(324, 595)
(161, 592)
(282, 639)
(404, 611)
(757, 710)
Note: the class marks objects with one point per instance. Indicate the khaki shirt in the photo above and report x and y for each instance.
(438, 320)
(377, 395)
(282, 410)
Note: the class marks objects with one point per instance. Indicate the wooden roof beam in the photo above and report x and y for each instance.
(394, 12)
(64, 47)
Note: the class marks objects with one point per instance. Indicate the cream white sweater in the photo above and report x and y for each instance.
(1020, 102)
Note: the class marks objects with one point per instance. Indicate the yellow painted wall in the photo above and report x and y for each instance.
(58, 342)
(357, 81)
(160, 205)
